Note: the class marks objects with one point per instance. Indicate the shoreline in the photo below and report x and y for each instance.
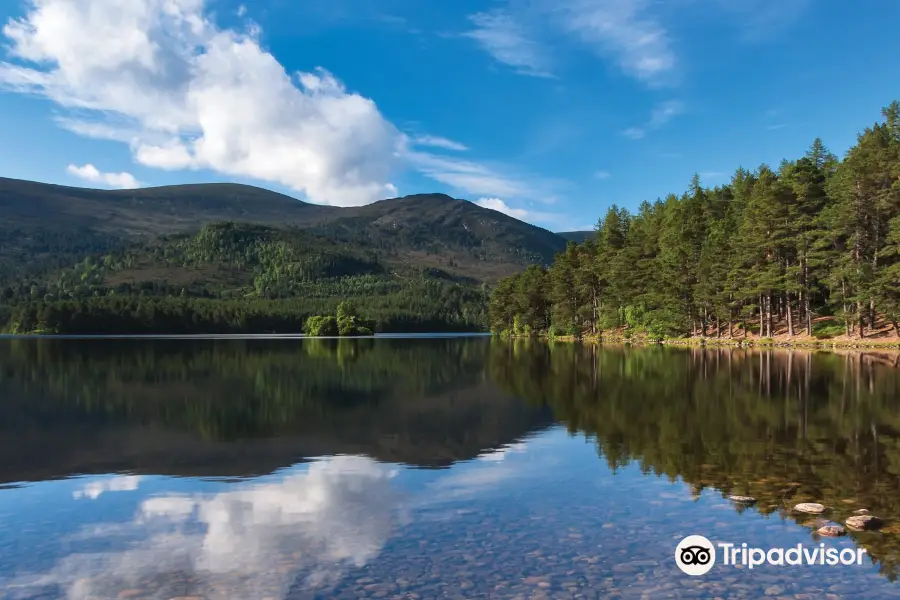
(234, 336)
(795, 343)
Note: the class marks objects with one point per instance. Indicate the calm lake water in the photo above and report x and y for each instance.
(435, 468)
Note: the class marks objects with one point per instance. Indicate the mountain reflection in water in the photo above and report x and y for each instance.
(250, 468)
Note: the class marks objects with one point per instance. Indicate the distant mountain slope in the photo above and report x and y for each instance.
(43, 222)
(576, 236)
(465, 234)
(167, 209)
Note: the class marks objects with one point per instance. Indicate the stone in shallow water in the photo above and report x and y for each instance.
(864, 523)
(742, 499)
(811, 508)
(861, 511)
(831, 530)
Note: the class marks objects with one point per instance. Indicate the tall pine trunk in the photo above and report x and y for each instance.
(872, 315)
(808, 314)
(762, 317)
(860, 319)
(847, 325)
(790, 317)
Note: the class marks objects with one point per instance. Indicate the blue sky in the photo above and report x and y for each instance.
(548, 110)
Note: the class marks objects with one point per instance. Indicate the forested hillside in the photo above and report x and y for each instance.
(237, 278)
(807, 248)
(43, 225)
(227, 258)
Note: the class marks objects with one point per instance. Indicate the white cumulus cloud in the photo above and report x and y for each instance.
(501, 206)
(89, 172)
(186, 94)
(523, 214)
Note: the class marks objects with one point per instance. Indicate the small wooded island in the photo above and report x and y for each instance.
(345, 323)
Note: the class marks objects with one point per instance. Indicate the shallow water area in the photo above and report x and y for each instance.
(452, 467)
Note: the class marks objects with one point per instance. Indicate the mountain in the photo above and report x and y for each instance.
(217, 258)
(39, 219)
(577, 236)
(167, 209)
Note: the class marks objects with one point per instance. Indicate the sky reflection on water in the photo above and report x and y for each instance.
(461, 490)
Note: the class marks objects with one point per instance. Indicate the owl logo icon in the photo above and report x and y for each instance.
(695, 555)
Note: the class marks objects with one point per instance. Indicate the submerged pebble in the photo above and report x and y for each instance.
(831, 530)
(864, 523)
(742, 499)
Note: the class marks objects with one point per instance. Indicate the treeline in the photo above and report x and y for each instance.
(122, 315)
(810, 247)
(235, 278)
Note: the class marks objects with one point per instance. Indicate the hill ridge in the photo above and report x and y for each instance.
(46, 221)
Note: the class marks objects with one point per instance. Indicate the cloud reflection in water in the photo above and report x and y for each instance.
(252, 541)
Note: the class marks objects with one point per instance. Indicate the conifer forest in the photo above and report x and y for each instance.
(805, 248)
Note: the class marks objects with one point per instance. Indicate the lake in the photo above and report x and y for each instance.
(454, 467)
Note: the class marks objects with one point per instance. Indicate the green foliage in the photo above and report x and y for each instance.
(827, 329)
(321, 326)
(226, 276)
(773, 250)
(346, 310)
(346, 323)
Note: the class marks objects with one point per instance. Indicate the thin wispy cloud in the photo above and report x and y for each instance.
(436, 141)
(761, 20)
(661, 114)
(626, 31)
(481, 180)
(601, 174)
(88, 172)
(508, 41)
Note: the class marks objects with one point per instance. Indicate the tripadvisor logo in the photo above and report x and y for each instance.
(696, 555)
